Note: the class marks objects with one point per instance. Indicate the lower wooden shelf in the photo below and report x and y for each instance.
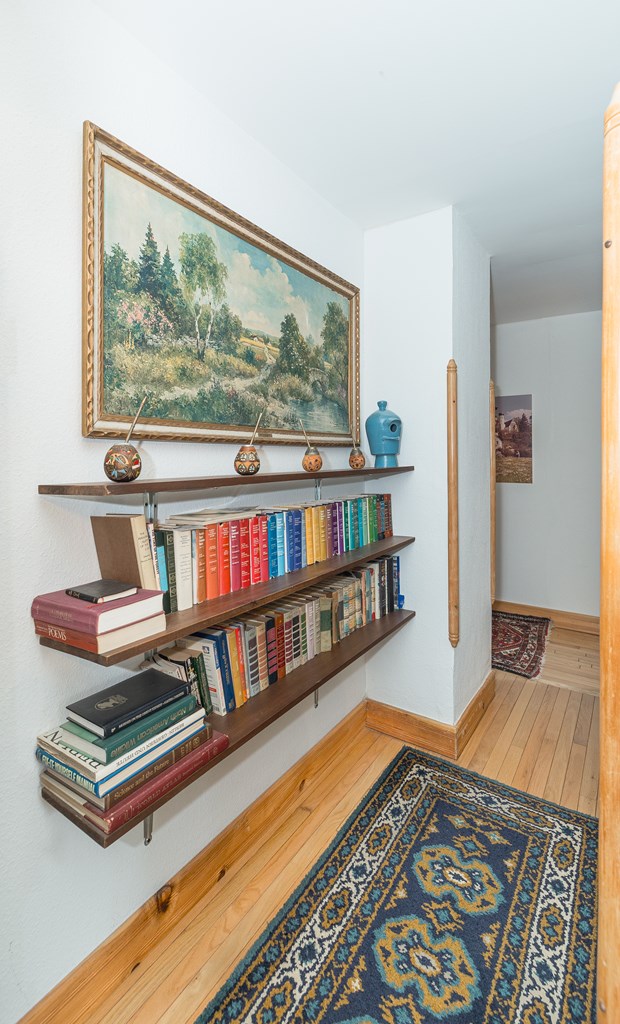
(269, 705)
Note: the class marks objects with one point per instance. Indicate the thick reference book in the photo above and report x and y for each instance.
(59, 609)
(141, 799)
(109, 710)
(102, 643)
(123, 549)
(100, 591)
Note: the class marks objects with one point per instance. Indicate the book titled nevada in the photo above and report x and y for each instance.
(109, 710)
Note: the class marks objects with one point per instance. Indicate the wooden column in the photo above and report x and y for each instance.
(492, 489)
(453, 509)
(609, 863)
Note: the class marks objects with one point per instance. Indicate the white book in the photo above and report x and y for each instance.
(212, 668)
(182, 541)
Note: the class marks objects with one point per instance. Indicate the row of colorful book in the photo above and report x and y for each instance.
(197, 556)
(228, 664)
(124, 748)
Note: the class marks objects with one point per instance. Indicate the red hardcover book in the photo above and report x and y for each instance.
(244, 534)
(264, 549)
(59, 609)
(255, 570)
(201, 559)
(102, 643)
(151, 792)
(235, 556)
(279, 620)
(223, 557)
(212, 585)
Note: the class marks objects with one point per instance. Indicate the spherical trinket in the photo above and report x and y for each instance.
(122, 463)
(312, 460)
(247, 462)
(357, 459)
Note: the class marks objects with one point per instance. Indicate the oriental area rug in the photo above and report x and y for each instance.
(446, 897)
(518, 643)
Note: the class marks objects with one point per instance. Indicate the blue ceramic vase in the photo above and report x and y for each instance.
(384, 430)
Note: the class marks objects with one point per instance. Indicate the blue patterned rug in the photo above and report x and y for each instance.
(445, 897)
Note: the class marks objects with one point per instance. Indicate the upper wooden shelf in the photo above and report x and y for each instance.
(107, 489)
(219, 609)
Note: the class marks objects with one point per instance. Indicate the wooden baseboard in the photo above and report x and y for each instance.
(563, 620)
(72, 999)
(439, 738)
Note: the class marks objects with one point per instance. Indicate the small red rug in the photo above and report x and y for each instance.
(519, 643)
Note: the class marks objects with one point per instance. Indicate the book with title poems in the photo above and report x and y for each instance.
(101, 591)
(109, 710)
(58, 609)
(102, 643)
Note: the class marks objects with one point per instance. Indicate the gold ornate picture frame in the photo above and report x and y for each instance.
(208, 315)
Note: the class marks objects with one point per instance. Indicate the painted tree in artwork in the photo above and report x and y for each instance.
(294, 355)
(149, 266)
(335, 335)
(171, 297)
(203, 284)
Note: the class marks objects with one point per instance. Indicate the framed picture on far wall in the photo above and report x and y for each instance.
(513, 439)
(210, 317)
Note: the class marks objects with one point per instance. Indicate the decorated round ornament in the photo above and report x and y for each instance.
(357, 459)
(312, 460)
(247, 462)
(122, 463)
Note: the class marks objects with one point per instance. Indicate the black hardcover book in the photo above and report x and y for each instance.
(109, 710)
(100, 591)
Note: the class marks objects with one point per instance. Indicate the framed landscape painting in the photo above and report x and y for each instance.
(211, 318)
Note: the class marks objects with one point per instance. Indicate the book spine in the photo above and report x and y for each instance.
(272, 536)
(65, 770)
(297, 541)
(235, 555)
(304, 550)
(212, 587)
(154, 790)
(280, 543)
(309, 524)
(160, 545)
(163, 721)
(64, 635)
(288, 641)
(223, 558)
(233, 654)
(388, 515)
(389, 566)
(316, 532)
(329, 546)
(245, 555)
(251, 658)
(150, 528)
(264, 548)
(255, 551)
(201, 583)
(227, 677)
(289, 532)
(214, 676)
(334, 528)
(203, 683)
(272, 649)
(280, 644)
(143, 553)
(172, 570)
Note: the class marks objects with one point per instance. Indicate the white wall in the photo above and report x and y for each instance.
(408, 329)
(471, 346)
(548, 532)
(63, 63)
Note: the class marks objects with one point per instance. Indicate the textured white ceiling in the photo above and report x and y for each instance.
(396, 108)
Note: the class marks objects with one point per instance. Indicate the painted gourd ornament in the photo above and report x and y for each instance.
(312, 460)
(357, 459)
(247, 462)
(122, 463)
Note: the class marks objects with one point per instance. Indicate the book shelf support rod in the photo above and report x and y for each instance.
(317, 490)
(148, 829)
(316, 698)
(149, 499)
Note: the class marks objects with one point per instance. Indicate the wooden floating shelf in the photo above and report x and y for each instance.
(210, 613)
(264, 709)
(108, 489)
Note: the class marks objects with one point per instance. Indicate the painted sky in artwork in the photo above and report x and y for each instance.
(260, 288)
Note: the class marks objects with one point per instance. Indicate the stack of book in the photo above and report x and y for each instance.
(122, 749)
(80, 617)
(243, 656)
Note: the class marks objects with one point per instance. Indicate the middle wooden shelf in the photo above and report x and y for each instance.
(209, 613)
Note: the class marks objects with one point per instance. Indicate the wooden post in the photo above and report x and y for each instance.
(492, 488)
(453, 509)
(609, 794)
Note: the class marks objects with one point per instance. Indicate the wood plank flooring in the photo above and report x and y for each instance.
(540, 736)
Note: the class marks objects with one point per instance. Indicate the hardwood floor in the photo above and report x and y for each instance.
(540, 736)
